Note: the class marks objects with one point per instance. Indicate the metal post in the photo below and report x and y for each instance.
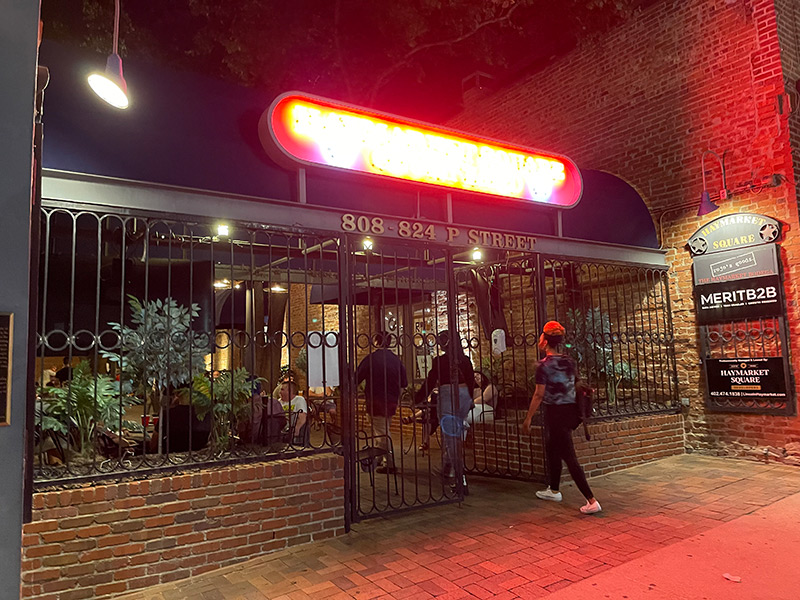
(449, 207)
(302, 197)
(347, 356)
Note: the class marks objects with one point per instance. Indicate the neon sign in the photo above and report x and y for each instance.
(318, 132)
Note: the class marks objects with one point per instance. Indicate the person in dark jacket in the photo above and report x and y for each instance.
(556, 377)
(453, 374)
(385, 377)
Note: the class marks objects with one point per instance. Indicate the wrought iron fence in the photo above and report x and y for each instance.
(619, 329)
(164, 344)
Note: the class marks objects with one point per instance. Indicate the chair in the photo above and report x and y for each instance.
(303, 438)
(369, 454)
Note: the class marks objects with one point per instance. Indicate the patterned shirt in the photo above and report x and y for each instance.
(557, 373)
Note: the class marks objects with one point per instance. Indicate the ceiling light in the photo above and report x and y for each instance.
(277, 288)
(110, 85)
(477, 254)
(367, 243)
(222, 230)
(222, 284)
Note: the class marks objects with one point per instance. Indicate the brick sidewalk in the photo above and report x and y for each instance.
(503, 542)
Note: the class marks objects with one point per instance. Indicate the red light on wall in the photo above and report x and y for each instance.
(319, 132)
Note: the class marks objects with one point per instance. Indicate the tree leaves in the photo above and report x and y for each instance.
(365, 52)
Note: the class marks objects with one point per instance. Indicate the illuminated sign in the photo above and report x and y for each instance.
(320, 132)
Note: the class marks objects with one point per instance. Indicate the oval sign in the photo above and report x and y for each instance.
(315, 131)
(738, 230)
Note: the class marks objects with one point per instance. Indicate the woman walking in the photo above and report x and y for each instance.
(556, 376)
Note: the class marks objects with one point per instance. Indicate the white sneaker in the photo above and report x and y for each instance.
(591, 507)
(548, 494)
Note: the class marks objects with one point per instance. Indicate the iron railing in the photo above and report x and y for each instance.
(158, 339)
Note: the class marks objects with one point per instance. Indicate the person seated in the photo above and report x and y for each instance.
(485, 397)
(298, 411)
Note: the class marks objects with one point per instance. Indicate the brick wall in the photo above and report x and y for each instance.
(643, 103)
(101, 541)
(614, 445)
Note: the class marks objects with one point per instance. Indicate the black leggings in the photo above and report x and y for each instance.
(558, 424)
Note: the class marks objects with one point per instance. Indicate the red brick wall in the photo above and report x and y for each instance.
(101, 541)
(643, 103)
(614, 445)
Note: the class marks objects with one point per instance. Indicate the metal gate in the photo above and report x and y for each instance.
(619, 331)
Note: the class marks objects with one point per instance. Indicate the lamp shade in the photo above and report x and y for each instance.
(706, 205)
(110, 85)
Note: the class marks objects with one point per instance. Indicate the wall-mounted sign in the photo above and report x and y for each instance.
(736, 300)
(436, 232)
(6, 341)
(746, 378)
(733, 265)
(740, 230)
(314, 131)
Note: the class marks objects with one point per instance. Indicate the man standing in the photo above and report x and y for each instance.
(385, 377)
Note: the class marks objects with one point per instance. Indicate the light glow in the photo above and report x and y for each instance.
(108, 90)
(222, 230)
(477, 254)
(367, 243)
(322, 132)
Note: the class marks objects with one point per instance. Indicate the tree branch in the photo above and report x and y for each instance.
(337, 10)
(406, 60)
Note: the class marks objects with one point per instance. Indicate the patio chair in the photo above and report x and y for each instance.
(302, 439)
(368, 454)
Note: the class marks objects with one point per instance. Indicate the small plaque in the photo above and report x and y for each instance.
(6, 341)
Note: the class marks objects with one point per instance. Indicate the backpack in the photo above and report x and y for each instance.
(584, 397)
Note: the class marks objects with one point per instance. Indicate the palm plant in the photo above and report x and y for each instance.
(229, 402)
(591, 339)
(87, 402)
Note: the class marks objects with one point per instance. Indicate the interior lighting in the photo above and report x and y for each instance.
(367, 243)
(321, 132)
(224, 283)
(222, 230)
(110, 85)
(477, 254)
(277, 288)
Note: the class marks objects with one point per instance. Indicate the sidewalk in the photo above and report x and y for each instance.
(669, 529)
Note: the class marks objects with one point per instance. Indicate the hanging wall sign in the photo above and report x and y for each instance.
(736, 300)
(313, 131)
(746, 378)
(734, 265)
(739, 230)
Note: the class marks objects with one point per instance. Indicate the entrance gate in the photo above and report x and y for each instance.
(278, 303)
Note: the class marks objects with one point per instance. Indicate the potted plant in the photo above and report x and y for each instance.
(86, 403)
(591, 339)
(229, 403)
(159, 351)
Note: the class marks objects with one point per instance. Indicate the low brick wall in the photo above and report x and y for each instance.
(104, 540)
(614, 445)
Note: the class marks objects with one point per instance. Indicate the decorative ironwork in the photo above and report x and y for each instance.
(171, 341)
(181, 338)
(751, 340)
(619, 329)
